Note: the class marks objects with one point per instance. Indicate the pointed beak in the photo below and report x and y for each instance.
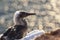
(28, 14)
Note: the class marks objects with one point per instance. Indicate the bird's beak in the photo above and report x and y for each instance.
(28, 14)
(24, 14)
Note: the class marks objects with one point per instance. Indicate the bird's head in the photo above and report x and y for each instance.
(23, 14)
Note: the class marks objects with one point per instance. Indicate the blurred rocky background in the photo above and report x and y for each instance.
(47, 14)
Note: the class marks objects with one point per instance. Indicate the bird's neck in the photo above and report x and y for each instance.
(20, 21)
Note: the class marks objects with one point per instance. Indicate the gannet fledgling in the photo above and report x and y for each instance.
(20, 26)
(19, 20)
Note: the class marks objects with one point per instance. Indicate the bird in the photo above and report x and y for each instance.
(19, 28)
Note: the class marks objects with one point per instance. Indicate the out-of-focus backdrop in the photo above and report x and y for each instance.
(47, 18)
